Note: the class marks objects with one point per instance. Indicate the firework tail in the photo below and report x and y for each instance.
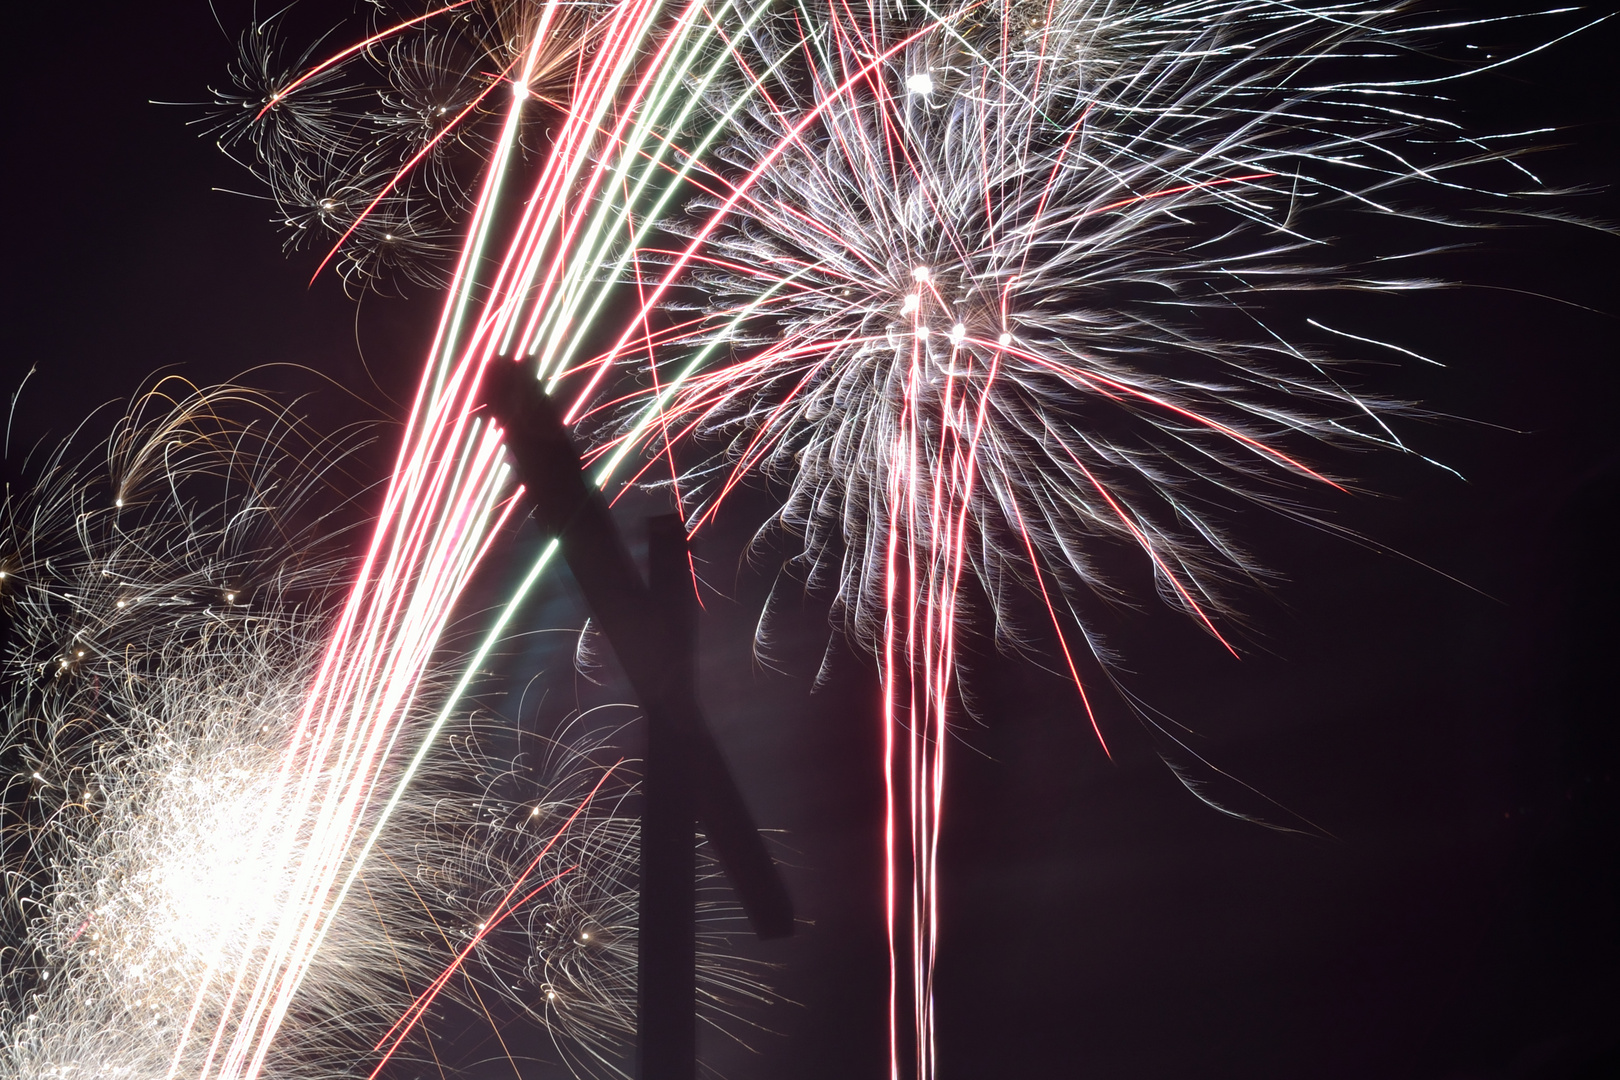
(441, 510)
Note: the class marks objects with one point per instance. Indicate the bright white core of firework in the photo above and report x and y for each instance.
(213, 881)
(920, 83)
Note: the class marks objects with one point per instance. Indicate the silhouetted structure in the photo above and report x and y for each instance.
(653, 630)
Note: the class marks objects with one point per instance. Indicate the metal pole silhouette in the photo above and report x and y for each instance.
(653, 631)
(666, 959)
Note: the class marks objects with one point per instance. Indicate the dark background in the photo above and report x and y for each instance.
(1445, 715)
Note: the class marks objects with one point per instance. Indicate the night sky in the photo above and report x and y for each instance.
(1438, 701)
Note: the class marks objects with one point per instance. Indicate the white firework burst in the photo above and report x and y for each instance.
(168, 610)
(1009, 279)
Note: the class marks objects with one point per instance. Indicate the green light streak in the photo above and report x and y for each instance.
(646, 143)
(445, 347)
(555, 360)
(430, 737)
(604, 224)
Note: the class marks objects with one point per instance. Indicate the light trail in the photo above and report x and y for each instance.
(504, 909)
(447, 498)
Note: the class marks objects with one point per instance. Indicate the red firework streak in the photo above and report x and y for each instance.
(842, 285)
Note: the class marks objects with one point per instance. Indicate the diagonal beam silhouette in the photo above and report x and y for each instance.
(645, 638)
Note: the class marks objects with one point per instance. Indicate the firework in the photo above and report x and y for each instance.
(168, 613)
(352, 755)
(1031, 262)
(568, 957)
(989, 290)
(373, 156)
